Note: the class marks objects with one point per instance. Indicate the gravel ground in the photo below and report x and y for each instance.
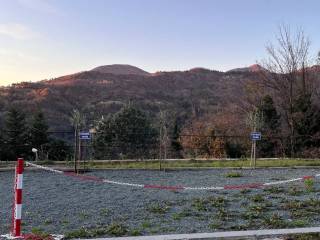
(60, 204)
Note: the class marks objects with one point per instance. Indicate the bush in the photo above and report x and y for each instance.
(116, 229)
(58, 150)
(234, 150)
(309, 184)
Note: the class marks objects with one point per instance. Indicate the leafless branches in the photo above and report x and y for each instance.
(287, 63)
(286, 71)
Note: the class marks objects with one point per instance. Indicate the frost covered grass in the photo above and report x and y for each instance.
(79, 209)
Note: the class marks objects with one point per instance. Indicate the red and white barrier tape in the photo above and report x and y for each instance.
(33, 236)
(176, 188)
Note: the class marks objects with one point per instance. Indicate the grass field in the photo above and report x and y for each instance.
(183, 163)
(205, 163)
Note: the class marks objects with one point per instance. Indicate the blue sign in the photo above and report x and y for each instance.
(84, 136)
(255, 136)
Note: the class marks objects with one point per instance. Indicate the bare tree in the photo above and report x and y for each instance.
(286, 72)
(77, 121)
(163, 136)
(255, 122)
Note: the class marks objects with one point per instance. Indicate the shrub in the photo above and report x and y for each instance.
(258, 198)
(200, 204)
(80, 233)
(117, 229)
(275, 221)
(158, 208)
(309, 184)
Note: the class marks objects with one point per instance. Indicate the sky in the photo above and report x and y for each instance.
(43, 39)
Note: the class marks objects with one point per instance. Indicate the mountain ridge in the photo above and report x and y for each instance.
(186, 94)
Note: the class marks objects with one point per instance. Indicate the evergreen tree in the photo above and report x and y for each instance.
(58, 150)
(133, 132)
(306, 123)
(39, 131)
(270, 128)
(104, 138)
(269, 114)
(175, 143)
(127, 134)
(16, 134)
(3, 150)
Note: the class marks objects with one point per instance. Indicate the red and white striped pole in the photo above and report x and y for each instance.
(16, 225)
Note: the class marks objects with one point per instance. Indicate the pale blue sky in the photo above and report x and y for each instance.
(48, 38)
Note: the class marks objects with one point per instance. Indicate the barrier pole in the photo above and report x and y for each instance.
(16, 230)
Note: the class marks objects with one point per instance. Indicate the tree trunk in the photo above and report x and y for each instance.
(76, 137)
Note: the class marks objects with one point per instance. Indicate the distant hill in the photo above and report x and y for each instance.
(252, 68)
(105, 89)
(121, 69)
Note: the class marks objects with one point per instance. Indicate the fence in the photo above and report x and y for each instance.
(145, 146)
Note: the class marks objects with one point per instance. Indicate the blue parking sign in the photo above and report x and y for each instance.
(255, 136)
(84, 135)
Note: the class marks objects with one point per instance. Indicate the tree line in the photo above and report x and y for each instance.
(132, 134)
(19, 135)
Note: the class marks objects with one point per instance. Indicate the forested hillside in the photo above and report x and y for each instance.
(199, 112)
(189, 94)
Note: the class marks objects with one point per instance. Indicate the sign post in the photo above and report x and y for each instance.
(83, 136)
(255, 136)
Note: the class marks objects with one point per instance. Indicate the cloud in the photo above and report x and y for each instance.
(39, 5)
(17, 31)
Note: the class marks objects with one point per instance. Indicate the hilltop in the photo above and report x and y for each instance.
(121, 69)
